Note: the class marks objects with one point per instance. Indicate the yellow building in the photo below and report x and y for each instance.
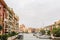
(57, 24)
(16, 23)
(13, 22)
(30, 30)
(37, 30)
(22, 28)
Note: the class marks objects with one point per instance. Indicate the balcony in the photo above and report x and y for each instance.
(5, 20)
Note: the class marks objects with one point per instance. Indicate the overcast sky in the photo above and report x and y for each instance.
(35, 13)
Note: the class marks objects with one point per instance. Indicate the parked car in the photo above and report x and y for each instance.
(20, 36)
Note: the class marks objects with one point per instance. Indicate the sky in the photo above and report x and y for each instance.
(36, 13)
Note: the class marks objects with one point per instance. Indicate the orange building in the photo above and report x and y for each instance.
(3, 15)
(7, 18)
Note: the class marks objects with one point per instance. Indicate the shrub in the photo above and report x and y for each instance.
(56, 32)
(1, 27)
(48, 32)
(3, 37)
(12, 33)
(0, 36)
(42, 31)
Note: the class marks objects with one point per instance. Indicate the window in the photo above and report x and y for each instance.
(0, 7)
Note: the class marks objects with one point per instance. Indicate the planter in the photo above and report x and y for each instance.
(11, 38)
(56, 38)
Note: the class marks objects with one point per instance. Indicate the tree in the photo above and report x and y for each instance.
(1, 27)
(56, 32)
(12, 33)
(4, 37)
(42, 31)
(48, 32)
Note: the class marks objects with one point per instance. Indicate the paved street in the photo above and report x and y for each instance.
(31, 37)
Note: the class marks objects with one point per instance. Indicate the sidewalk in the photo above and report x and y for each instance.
(11, 38)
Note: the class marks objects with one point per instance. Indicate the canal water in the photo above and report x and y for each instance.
(31, 37)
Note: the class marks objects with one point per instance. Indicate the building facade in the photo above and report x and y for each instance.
(22, 28)
(8, 20)
(16, 23)
(3, 15)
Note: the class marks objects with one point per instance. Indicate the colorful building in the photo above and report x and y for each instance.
(29, 30)
(7, 18)
(3, 15)
(22, 28)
